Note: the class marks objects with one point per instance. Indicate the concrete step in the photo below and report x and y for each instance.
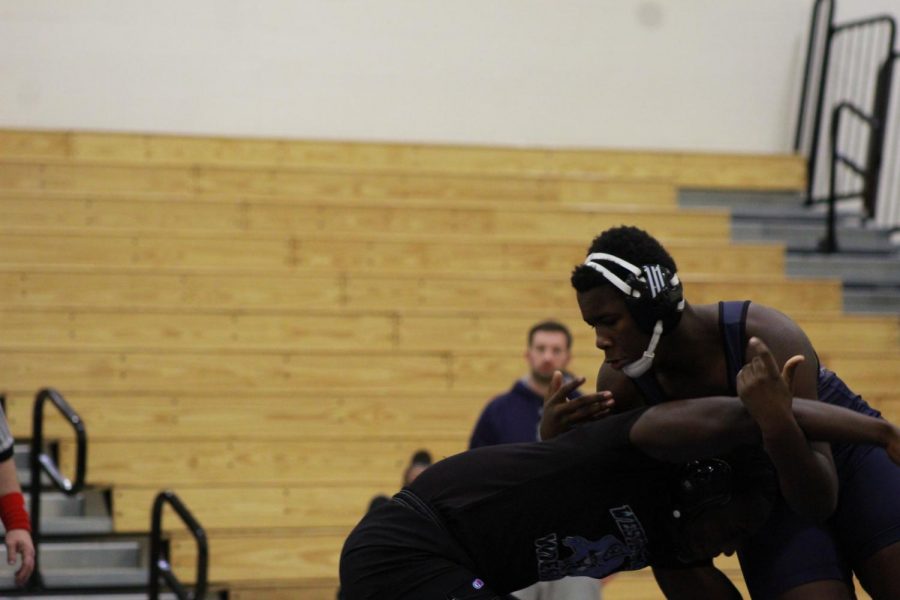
(76, 525)
(22, 458)
(872, 301)
(87, 512)
(854, 270)
(95, 577)
(90, 555)
(806, 237)
(783, 217)
(116, 562)
(740, 199)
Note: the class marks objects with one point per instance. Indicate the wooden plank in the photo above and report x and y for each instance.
(344, 329)
(33, 144)
(691, 169)
(158, 290)
(490, 331)
(573, 221)
(105, 179)
(362, 250)
(371, 291)
(252, 507)
(168, 330)
(857, 368)
(364, 290)
(640, 585)
(172, 371)
(175, 464)
(301, 413)
(284, 589)
(262, 554)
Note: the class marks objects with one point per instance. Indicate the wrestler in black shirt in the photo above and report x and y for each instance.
(610, 495)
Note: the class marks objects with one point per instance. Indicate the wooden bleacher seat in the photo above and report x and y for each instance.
(111, 328)
(327, 251)
(273, 327)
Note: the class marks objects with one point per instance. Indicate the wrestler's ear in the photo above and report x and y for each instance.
(790, 367)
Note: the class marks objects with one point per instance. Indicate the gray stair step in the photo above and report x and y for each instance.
(734, 199)
(90, 555)
(805, 238)
(76, 525)
(771, 205)
(862, 300)
(84, 513)
(57, 504)
(783, 217)
(87, 555)
(882, 271)
(99, 577)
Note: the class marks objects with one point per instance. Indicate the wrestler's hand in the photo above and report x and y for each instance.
(561, 414)
(764, 390)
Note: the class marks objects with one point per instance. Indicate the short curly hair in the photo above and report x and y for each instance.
(628, 243)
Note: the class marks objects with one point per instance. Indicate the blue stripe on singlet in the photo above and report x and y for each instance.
(733, 327)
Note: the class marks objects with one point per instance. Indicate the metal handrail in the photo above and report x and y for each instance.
(822, 39)
(42, 462)
(159, 566)
(829, 243)
(807, 74)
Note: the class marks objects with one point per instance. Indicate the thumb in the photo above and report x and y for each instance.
(11, 553)
(790, 367)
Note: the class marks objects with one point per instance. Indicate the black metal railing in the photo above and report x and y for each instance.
(813, 88)
(887, 190)
(159, 565)
(856, 175)
(42, 462)
(842, 66)
(829, 243)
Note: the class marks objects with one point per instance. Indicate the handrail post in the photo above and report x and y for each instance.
(40, 462)
(819, 102)
(829, 244)
(160, 568)
(876, 143)
(807, 74)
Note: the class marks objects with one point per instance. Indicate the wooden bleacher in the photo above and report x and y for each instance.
(271, 328)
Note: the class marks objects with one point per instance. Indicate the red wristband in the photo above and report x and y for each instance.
(12, 512)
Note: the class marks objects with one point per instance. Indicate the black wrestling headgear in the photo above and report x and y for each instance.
(652, 292)
(702, 484)
(654, 297)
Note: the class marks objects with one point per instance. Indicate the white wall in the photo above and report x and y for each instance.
(693, 74)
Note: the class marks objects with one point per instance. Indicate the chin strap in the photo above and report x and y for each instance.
(642, 365)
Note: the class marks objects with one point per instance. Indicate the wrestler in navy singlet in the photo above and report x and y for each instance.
(790, 551)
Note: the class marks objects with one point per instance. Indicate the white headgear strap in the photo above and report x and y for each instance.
(643, 364)
(609, 275)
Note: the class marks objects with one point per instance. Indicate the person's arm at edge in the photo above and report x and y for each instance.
(18, 540)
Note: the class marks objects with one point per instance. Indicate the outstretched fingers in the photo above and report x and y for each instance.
(558, 392)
